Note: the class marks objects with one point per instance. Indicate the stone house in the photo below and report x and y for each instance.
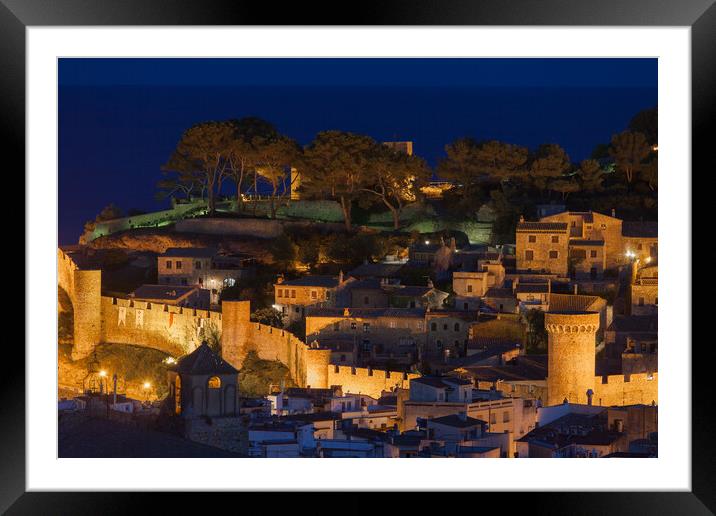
(204, 268)
(542, 247)
(447, 333)
(374, 331)
(292, 297)
(645, 291)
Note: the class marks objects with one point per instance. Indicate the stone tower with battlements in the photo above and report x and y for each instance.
(571, 356)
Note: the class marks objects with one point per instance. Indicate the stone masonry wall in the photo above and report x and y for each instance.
(360, 380)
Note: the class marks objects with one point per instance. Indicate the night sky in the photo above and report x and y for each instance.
(119, 119)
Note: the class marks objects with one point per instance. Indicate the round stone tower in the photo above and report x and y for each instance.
(318, 360)
(570, 356)
(87, 306)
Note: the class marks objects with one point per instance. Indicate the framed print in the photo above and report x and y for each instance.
(264, 247)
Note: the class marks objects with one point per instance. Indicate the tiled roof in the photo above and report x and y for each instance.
(189, 252)
(532, 367)
(646, 229)
(312, 281)
(635, 323)
(542, 226)
(167, 292)
(575, 303)
(456, 421)
(417, 313)
(499, 292)
(203, 361)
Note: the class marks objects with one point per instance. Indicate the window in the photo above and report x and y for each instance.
(183, 281)
(641, 301)
(604, 226)
(469, 288)
(493, 418)
(457, 326)
(553, 255)
(328, 294)
(529, 255)
(506, 416)
(178, 264)
(293, 294)
(366, 300)
(592, 254)
(439, 343)
(297, 310)
(197, 264)
(214, 382)
(532, 239)
(353, 326)
(555, 239)
(314, 294)
(392, 324)
(464, 306)
(433, 327)
(639, 247)
(279, 293)
(366, 327)
(445, 327)
(336, 326)
(169, 264)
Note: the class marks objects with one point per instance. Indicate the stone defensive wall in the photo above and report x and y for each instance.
(173, 329)
(627, 389)
(178, 330)
(361, 380)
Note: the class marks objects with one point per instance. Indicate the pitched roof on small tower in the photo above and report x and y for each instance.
(203, 361)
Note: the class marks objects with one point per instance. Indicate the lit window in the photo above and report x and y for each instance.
(553, 255)
(532, 239)
(178, 264)
(469, 288)
(366, 327)
(314, 294)
(214, 382)
(169, 264)
(529, 255)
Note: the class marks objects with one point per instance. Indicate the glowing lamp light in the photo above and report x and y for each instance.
(427, 242)
(648, 259)
(147, 385)
(170, 360)
(103, 373)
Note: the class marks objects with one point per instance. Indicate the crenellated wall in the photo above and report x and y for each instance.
(627, 389)
(360, 380)
(173, 329)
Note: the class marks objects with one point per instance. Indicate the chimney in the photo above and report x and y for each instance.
(614, 213)
(522, 218)
(279, 280)
(576, 288)
(340, 277)
(430, 283)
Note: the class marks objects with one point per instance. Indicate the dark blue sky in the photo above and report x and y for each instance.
(120, 118)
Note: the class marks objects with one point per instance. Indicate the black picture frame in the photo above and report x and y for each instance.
(700, 15)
